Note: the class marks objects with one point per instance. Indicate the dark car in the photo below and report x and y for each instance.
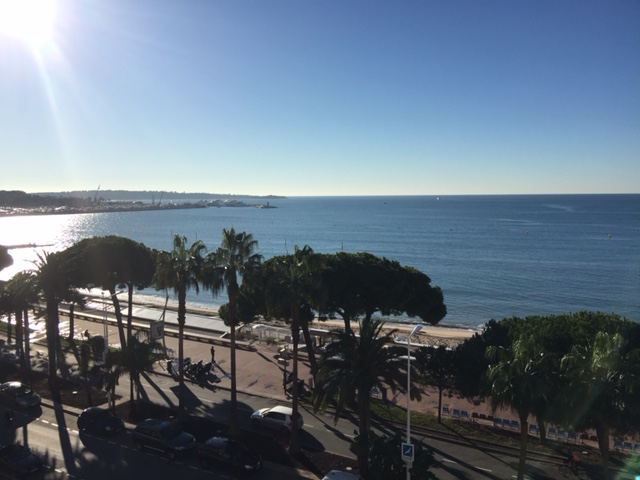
(99, 421)
(162, 436)
(19, 460)
(230, 452)
(18, 395)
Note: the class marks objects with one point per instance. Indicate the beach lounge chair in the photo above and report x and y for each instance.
(627, 446)
(617, 445)
(445, 411)
(456, 413)
(533, 429)
(464, 414)
(552, 432)
(497, 422)
(515, 424)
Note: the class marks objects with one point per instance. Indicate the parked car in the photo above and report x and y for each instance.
(18, 395)
(99, 421)
(230, 452)
(277, 418)
(162, 436)
(19, 460)
(341, 475)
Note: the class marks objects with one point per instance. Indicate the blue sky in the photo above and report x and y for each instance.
(337, 97)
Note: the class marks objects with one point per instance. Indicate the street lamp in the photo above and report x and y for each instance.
(415, 330)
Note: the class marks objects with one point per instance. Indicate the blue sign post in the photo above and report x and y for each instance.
(407, 452)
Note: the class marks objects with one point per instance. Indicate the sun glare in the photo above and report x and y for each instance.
(30, 21)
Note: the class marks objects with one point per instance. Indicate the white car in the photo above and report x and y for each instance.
(276, 418)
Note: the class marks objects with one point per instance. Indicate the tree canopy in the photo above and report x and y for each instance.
(361, 284)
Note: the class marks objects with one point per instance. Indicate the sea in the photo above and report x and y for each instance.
(493, 256)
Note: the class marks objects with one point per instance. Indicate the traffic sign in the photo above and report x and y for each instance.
(407, 452)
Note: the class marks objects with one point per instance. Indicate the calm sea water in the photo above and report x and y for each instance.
(493, 256)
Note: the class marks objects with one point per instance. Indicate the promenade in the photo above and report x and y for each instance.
(258, 371)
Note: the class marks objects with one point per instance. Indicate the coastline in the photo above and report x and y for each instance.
(431, 335)
(447, 335)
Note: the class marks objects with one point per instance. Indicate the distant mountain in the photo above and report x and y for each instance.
(151, 196)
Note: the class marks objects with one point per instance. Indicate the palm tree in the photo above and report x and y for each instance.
(235, 257)
(292, 288)
(22, 290)
(603, 386)
(53, 280)
(518, 378)
(136, 357)
(351, 366)
(181, 270)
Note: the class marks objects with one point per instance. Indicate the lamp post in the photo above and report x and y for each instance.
(415, 330)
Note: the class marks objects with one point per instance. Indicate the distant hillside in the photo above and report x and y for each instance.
(20, 199)
(150, 196)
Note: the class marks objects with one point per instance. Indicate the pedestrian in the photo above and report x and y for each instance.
(213, 355)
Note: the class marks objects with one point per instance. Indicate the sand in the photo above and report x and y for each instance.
(428, 335)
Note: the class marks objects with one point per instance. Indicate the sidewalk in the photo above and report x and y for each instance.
(258, 372)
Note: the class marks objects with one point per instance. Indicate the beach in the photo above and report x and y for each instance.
(434, 335)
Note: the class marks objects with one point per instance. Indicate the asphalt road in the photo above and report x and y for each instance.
(53, 434)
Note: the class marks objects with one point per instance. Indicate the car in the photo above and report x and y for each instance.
(163, 436)
(18, 395)
(19, 460)
(99, 421)
(230, 452)
(277, 418)
(341, 475)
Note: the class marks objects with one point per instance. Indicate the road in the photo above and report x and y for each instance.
(52, 434)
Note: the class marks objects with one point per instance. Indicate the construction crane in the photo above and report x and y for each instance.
(95, 197)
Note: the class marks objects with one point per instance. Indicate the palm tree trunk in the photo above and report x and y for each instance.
(313, 364)
(118, 313)
(524, 437)
(129, 326)
(347, 324)
(52, 343)
(182, 314)
(440, 389)
(603, 431)
(294, 446)
(19, 339)
(9, 328)
(130, 311)
(27, 341)
(233, 411)
(71, 320)
(364, 428)
(542, 429)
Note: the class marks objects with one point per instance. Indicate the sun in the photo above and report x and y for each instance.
(30, 21)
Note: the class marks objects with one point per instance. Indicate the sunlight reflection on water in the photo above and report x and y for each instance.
(35, 234)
